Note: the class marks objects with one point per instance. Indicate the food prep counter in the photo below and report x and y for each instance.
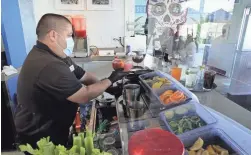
(223, 110)
(240, 135)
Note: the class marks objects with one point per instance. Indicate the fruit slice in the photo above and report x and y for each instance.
(205, 152)
(157, 85)
(191, 153)
(197, 145)
(220, 150)
(211, 150)
(166, 96)
(224, 153)
(199, 152)
(163, 98)
(164, 80)
(169, 114)
(167, 100)
(167, 93)
(181, 110)
(177, 97)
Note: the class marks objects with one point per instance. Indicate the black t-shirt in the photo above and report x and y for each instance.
(45, 82)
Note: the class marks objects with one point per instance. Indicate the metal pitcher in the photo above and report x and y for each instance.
(131, 93)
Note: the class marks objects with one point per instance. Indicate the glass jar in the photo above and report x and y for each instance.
(191, 76)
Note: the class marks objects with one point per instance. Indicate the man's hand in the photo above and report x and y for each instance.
(117, 75)
(116, 91)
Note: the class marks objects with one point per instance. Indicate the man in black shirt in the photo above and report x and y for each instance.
(50, 84)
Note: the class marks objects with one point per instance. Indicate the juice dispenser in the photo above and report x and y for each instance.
(81, 48)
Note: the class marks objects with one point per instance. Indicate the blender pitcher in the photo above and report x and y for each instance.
(131, 94)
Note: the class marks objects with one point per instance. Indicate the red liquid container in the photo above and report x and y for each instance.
(79, 24)
(155, 142)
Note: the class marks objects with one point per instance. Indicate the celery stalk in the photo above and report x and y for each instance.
(77, 142)
(73, 137)
(95, 152)
(89, 146)
(73, 150)
(88, 133)
(82, 151)
(82, 135)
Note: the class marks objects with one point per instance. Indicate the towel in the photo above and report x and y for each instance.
(9, 70)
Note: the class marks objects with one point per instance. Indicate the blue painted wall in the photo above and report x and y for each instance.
(28, 22)
(17, 42)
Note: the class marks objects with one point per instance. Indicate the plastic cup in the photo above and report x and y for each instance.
(176, 73)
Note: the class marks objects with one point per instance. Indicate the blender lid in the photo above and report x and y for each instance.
(155, 142)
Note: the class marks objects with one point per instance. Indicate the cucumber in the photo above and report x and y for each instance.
(169, 114)
(181, 111)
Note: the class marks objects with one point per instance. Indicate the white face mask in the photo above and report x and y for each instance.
(69, 45)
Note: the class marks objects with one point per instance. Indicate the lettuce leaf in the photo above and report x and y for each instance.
(28, 148)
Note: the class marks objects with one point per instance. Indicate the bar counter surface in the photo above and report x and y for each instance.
(234, 120)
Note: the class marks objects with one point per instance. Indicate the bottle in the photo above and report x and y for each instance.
(78, 122)
(128, 49)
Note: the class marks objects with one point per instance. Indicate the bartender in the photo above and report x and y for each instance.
(51, 86)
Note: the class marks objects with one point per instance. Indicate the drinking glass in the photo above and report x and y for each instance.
(209, 77)
(176, 73)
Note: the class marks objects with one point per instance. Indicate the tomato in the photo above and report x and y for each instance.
(118, 64)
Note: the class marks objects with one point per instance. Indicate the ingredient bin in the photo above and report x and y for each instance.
(187, 118)
(213, 136)
(173, 86)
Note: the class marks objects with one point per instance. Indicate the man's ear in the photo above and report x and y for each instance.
(52, 35)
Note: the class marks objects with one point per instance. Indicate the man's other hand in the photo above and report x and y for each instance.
(117, 75)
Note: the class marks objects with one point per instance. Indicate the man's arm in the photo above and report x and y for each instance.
(62, 84)
(89, 79)
(94, 90)
(84, 77)
(90, 92)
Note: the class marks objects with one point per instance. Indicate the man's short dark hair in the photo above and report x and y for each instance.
(49, 22)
